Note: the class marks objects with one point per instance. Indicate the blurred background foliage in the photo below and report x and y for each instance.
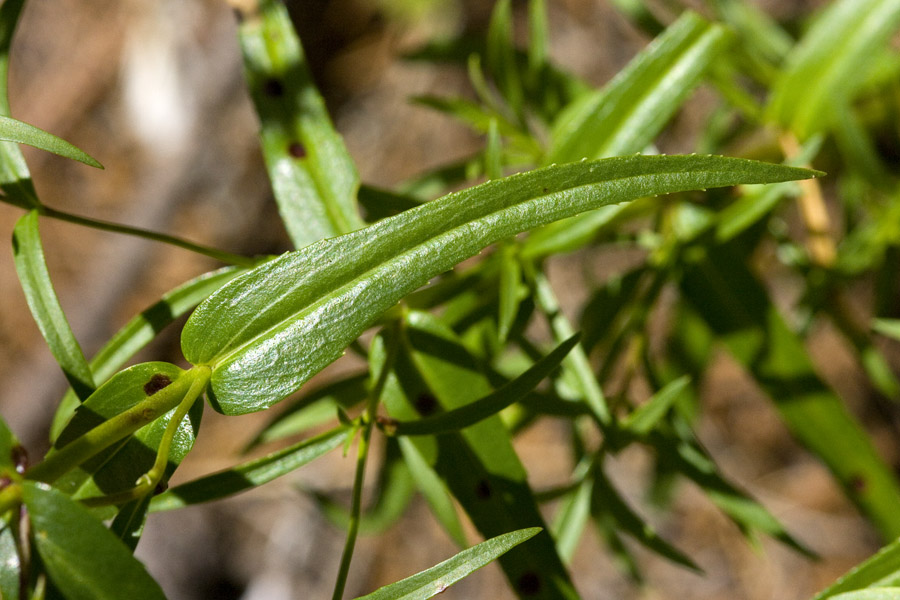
(778, 302)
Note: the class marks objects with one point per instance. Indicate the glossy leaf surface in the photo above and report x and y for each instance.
(268, 331)
(438, 578)
(314, 180)
(72, 543)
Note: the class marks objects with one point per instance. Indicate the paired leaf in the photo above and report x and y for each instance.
(313, 177)
(72, 543)
(12, 130)
(438, 578)
(249, 474)
(268, 331)
(35, 279)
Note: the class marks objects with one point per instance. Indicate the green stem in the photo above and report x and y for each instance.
(109, 432)
(361, 455)
(577, 360)
(220, 255)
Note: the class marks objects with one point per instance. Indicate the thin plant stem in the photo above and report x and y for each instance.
(362, 453)
(220, 255)
(125, 423)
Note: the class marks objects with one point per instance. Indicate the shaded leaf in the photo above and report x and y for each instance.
(645, 417)
(438, 578)
(474, 412)
(85, 560)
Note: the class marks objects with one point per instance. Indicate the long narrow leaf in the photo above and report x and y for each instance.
(313, 177)
(268, 331)
(44, 305)
(12, 130)
(438, 578)
(469, 414)
(881, 570)
(249, 474)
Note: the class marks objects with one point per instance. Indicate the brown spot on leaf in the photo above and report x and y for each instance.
(483, 489)
(156, 383)
(426, 404)
(858, 484)
(529, 584)
(297, 150)
(273, 88)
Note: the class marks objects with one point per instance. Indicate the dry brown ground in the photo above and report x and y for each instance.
(153, 89)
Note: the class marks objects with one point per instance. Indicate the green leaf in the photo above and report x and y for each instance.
(826, 68)
(12, 130)
(888, 327)
(645, 417)
(891, 593)
(572, 517)
(438, 578)
(118, 468)
(737, 307)
(501, 55)
(881, 570)
(606, 502)
(140, 331)
(632, 109)
(478, 464)
(249, 474)
(268, 331)
(474, 412)
(83, 558)
(15, 180)
(315, 408)
(313, 177)
(44, 305)
(511, 288)
(10, 565)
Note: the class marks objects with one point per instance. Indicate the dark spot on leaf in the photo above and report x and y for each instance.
(858, 484)
(545, 190)
(426, 404)
(273, 88)
(529, 584)
(483, 489)
(156, 383)
(160, 488)
(5, 482)
(297, 150)
(19, 458)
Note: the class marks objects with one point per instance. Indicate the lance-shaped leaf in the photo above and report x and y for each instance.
(826, 68)
(268, 331)
(469, 414)
(140, 331)
(10, 564)
(881, 570)
(12, 130)
(15, 180)
(438, 578)
(645, 417)
(631, 110)
(83, 557)
(313, 178)
(249, 474)
(35, 279)
(478, 464)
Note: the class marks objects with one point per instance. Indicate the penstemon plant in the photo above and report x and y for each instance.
(455, 368)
